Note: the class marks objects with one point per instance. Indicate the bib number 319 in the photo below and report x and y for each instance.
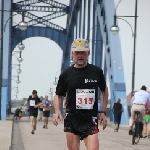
(85, 98)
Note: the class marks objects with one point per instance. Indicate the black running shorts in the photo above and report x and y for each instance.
(82, 125)
(33, 113)
(46, 113)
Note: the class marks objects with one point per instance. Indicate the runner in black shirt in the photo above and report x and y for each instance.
(81, 82)
(33, 102)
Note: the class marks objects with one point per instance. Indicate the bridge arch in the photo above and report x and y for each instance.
(42, 61)
(56, 35)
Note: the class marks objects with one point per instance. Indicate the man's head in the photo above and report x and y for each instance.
(119, 100)
(34, 93)
(80, 51)
(144, 88)
(46, 97)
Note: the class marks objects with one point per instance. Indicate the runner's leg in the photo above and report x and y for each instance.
(35, 122)
(92, 142)
(32, 123)
(73, 141)
(46, 122)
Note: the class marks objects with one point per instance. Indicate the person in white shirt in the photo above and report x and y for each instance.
(138, 103)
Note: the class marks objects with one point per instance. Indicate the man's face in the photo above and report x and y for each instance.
(46, 97)
(35, 95)
(80, 57)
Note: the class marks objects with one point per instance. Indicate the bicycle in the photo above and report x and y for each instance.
(137, 128)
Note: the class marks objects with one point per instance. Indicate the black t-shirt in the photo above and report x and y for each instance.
(117, 108)
(36, 99)
(89, 77)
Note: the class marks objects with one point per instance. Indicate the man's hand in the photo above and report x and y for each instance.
(57, 116)
(35, 106)
(103, 120)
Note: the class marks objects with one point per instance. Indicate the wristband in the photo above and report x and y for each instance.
(103, 112)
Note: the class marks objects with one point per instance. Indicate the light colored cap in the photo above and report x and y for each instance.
(80, 45)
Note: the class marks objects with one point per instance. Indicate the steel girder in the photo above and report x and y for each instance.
(43, 20)
(58, 10)
(27, 6)
(106, 48)
(54, 34)
(50, 2)
(51, 31)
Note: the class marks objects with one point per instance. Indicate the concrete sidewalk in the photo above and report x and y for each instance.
(5, 134)
(54, 138)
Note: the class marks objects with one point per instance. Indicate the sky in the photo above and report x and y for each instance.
(42, 57)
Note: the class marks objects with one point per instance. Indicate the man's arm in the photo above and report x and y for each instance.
(25, 104)
(103, 119)
(57, 100)
(104, 99)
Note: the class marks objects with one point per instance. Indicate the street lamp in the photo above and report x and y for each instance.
(15, 88)
(23, 25)
(21, 46)
(16, 98)
(17, 81)
(18, 70)
(20, 59)
(55, 82)
(115, 29)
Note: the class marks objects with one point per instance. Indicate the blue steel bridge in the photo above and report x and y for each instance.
(89, 19)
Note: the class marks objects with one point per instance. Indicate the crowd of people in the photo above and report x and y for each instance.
(38, 107)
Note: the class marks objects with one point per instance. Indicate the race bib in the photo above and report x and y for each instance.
(32, 102)
(85, 98)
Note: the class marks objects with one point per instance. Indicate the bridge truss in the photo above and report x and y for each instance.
(90, 19)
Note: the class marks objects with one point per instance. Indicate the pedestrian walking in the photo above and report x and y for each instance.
(117, 111)
(46, 111)
(80, 83)
(33, 102)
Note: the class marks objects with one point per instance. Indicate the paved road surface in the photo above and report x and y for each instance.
(53, 138)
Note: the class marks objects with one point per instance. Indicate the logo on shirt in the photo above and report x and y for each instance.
(90, 80)
(86, 91)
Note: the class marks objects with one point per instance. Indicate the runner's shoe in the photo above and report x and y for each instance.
(32, 132)
(43, 126)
